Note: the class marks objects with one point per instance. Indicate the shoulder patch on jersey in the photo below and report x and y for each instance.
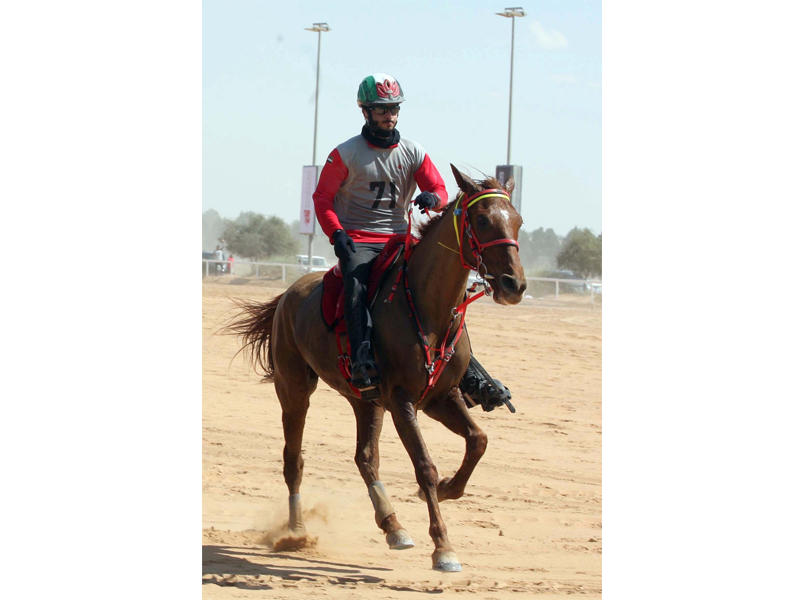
(329, 159)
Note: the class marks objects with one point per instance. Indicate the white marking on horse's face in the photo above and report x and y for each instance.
(506, 215)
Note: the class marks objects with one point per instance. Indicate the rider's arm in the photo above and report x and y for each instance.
(333, 174)
(429, 180)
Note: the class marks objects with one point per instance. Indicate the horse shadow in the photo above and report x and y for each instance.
(228, 561)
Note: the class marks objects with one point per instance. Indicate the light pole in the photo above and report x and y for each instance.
(319, 28)
(512, 13)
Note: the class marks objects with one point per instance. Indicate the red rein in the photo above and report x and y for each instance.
(445, 351)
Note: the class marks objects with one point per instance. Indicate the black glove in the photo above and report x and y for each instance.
(426, 200)
(343, 245)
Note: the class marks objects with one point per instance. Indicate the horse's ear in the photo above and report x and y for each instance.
(465, 184)
(509, 186)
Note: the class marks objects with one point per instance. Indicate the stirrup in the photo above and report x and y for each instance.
(364, 376)
(363, 370)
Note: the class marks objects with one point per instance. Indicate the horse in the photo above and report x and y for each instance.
(288, 342)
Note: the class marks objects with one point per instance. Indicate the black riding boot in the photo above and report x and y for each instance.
(478, 387)
(355, 272)
(364, 372)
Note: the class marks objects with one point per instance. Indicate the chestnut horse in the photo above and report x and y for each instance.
(288, 340)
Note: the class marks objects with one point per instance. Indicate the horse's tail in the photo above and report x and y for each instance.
(254, 326)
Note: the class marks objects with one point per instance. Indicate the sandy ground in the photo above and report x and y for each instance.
(529, 522)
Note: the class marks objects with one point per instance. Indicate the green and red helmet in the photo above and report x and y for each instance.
(379, 88)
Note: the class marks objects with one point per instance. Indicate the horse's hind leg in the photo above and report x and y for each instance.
(451, 412)
(293, 396)
(369, 422)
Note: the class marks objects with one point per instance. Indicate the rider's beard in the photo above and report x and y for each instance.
(377, 130)
(380, 137)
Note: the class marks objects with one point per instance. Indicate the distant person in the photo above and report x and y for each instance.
(361, 200)
(230, 264)
(219, 267)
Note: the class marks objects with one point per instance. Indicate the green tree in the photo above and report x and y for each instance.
(538, 249)
(255, 236)
(582, 253)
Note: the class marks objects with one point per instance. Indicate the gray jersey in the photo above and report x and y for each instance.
(379, 185)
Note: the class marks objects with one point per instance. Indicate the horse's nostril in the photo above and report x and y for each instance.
(512, 284)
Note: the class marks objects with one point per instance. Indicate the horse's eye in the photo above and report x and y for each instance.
(482, 222)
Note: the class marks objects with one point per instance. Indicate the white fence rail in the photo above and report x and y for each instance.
(257, 269)
(290, 272)
(587, 286)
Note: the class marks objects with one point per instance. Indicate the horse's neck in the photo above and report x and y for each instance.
(435, 274)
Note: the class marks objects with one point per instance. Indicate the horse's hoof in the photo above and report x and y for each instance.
(399, 540)
(446, 561)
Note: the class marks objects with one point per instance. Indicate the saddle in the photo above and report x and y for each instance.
(333, 295)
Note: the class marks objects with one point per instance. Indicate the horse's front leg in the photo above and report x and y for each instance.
(451, 412)
(404, 416)
(369, 422)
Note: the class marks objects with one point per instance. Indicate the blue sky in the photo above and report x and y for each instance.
(452, 60)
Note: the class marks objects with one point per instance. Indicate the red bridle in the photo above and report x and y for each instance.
(464, 230)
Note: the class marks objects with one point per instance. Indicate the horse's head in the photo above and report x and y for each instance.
(488, 226)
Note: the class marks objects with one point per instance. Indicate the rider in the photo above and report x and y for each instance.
(361, 200)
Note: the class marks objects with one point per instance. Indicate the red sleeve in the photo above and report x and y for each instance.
(429, 180)
(333, 174)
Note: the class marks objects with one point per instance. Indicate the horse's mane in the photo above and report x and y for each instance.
(484, 184)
